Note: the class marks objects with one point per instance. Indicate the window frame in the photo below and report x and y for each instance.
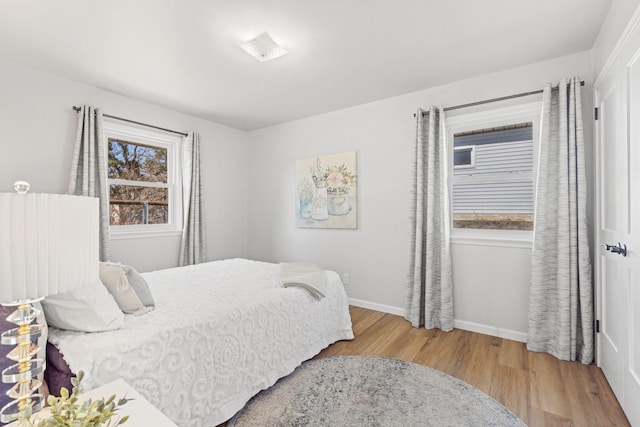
(472, 149)
(529, 112)
(173, 145)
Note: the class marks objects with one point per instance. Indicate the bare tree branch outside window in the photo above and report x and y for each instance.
(143, 198)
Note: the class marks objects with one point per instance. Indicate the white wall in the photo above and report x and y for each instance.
(37, 127)
(491, 283)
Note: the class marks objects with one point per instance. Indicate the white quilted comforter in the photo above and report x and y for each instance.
(220, 333)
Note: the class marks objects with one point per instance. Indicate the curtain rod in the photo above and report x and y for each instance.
(487, 101)
(137, 123)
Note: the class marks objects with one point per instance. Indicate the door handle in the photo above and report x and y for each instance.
(620, 249)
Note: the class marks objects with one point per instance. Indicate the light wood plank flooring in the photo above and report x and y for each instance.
(540, 389)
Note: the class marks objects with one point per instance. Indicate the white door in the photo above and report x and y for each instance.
(617, 97)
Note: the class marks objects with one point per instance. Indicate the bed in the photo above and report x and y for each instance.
(220, 332)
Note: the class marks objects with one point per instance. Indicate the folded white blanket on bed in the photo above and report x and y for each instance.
(306, 275)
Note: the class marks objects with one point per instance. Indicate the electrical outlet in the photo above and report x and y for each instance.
(345, 278)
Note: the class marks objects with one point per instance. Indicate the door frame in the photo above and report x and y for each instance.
(622, 42)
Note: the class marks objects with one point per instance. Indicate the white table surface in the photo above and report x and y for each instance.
(141, 412)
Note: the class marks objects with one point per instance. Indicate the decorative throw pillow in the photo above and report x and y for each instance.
(139, 285)
(114, 278)
(87, 309)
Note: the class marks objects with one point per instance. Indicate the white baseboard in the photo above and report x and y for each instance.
(460, 324)
(377, 307)
(490, 330)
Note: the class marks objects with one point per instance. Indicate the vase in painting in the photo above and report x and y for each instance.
(320, 212)
(338, 204)
(306, 204)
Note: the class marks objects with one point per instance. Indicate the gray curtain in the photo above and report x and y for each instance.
(193, 248)
(429, 293)
(561, 294)
(89, 169)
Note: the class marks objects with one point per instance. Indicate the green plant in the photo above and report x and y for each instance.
(67, 411)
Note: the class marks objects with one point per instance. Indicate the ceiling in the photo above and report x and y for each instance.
(183, 54)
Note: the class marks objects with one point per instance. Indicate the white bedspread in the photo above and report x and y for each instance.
(220, 333)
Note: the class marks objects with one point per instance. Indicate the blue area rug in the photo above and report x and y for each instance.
(371, 391)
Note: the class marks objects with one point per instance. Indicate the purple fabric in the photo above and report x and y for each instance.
(58, 374)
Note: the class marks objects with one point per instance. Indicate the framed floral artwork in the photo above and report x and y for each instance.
(326, 191)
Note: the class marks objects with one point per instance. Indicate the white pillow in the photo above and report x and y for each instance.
(114, 278)
(87, 309)
(139, 285)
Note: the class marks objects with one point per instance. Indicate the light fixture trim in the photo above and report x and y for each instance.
(263, 47)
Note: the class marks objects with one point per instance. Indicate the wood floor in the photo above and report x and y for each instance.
(540, 389)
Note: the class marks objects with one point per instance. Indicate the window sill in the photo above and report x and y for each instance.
(496, 238)
(143, 234)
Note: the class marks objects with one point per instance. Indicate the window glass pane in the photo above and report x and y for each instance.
(495, 135)
(496, 190)
(137, 162)
(138, 205)
(495, 204)
(462, 157)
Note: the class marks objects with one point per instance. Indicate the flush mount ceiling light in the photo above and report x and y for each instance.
(263, 48)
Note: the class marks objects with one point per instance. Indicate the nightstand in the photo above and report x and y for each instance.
(141, 412)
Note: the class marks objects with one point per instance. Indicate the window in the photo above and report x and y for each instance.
(464, 157)
(492, 181)
(142, 173)
(138, 190)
